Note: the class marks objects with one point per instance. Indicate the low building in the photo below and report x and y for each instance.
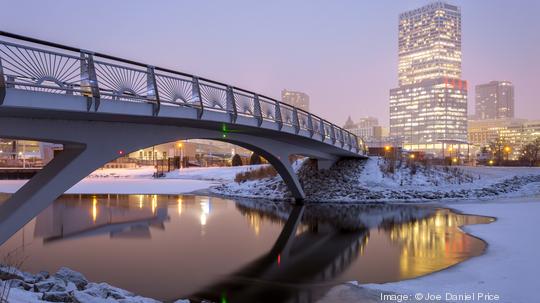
(514, 133)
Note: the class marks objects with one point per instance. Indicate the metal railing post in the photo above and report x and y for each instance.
(196, 93)
(257, 112)
(310, 125)
(2, 84)
(321, 129)
(231, 105)
(296, 121)
(152, 90)
(89, 83)
(332, 134)
(278, 118)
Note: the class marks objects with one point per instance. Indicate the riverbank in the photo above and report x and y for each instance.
(66, 285)
(508, 269)
(372, 180)
(348, 181)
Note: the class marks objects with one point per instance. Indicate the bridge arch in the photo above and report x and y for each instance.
(89, 145)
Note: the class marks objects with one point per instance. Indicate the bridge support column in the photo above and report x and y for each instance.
(70, 166)
(325, 164)
(287, 173)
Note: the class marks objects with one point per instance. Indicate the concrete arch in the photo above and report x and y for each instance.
(89, 145)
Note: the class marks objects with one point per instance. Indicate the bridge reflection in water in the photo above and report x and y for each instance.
(169, 247)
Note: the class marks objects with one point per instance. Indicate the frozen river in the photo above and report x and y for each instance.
(199, 247)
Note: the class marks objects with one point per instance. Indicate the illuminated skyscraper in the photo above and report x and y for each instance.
(430, 105)
(495, 100)
(297, 99)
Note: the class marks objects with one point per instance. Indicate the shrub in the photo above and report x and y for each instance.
(262, 172)
(236, 160)
(255, 159)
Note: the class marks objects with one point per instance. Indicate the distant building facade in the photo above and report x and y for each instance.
(367, 128)
(295, 98)
(430, 104)
(494, 100)
(514, 133)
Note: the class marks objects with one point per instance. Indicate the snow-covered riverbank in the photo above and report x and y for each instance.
(508, 269)
(65, 285)
(361, 181)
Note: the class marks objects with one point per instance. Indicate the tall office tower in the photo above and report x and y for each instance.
(297, 99)
(495, 100)
(429, 108)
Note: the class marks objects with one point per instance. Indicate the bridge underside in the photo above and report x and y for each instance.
(89, 145)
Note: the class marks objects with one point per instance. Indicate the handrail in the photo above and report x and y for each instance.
(89, 87)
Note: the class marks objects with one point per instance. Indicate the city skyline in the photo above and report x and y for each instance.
(333, 54)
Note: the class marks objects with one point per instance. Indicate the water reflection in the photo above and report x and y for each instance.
(117, 216)
(241, 251)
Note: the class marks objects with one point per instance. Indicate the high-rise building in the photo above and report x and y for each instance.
(429, 108)
(495, 100)
(294, 98)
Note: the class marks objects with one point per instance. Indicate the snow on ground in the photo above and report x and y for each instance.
(122, 186)
(140, 180)
(509, 268)
(225, 174)
(192, 173)
(366, 180)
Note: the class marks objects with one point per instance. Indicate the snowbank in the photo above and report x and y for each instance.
(508, 269)
(64, 286)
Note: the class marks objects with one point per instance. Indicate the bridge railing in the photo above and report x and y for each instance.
(43, 66)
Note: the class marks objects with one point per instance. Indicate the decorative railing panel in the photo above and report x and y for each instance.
(33, 69)
(119, 82)
(245, 104)
(176, 90)
(268, 109)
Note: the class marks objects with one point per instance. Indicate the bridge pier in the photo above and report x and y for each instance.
(74, 163)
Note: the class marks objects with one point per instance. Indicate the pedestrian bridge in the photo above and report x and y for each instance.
(101, 107)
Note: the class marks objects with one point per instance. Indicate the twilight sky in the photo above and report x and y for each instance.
(342, 53)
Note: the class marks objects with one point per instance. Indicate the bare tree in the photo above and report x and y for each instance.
(497, 150)
(531, 152)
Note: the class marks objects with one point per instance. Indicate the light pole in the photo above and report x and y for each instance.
(507, 150)
(181, 164)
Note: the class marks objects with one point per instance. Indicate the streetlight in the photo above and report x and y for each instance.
(507, 150)
(180, 145)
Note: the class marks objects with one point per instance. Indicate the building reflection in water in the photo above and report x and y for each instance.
(251, 251)
(423, 238)
(117, 215)
(435, 243)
